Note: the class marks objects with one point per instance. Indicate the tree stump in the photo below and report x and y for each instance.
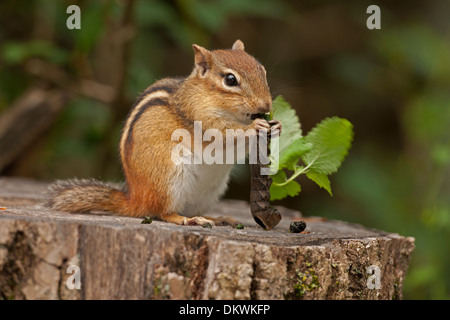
(46, 254)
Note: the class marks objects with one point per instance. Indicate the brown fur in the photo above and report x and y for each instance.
(85, 195)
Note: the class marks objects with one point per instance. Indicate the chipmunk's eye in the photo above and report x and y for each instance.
(230, 80)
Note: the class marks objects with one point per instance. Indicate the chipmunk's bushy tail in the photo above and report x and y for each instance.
(85, 195)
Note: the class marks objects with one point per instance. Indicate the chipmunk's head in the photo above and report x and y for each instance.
(234, 81)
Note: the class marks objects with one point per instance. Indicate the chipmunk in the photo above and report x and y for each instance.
(225, 90)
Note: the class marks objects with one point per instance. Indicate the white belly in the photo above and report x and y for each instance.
(197, 187)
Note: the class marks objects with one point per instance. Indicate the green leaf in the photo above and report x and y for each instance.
(277, 193)
(331, 139)
(321, 180)
(292, 154)
(291, 142)
(322, 150)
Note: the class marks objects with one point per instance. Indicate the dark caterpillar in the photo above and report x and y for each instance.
(264, 214)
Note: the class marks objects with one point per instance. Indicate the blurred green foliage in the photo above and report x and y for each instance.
(393, 84)
(17, 52)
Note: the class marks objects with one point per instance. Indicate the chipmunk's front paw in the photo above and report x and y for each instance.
(275, 125)
(261, 125)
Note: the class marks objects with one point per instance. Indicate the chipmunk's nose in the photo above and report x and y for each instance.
(264, 106)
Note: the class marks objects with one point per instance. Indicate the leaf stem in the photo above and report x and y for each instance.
(296, 174)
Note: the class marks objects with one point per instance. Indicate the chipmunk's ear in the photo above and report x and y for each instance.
(238, 45)
(203, 59)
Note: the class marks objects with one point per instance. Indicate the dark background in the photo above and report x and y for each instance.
(393, 84)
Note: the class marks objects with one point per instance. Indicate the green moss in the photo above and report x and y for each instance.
(157, 289)
(307, 281)
(355, 270)
(147, 220)
(160, 290)
(396, 294)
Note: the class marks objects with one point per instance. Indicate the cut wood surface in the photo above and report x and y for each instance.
(120, 258)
